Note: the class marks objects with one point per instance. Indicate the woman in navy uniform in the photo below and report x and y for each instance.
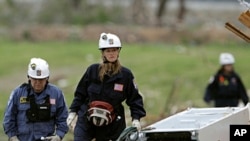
(99, 95)
(226, 87)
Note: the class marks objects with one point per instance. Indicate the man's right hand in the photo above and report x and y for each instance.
(14, 138)
(71, 117)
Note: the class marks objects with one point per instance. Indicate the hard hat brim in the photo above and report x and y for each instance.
(38, 77)
(101, 48)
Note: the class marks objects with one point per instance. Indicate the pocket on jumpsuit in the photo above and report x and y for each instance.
(118, 125)
(44, 128)
(22, 120)
(117, 97)
(48, 127)
(82, 129)
(94, 89)
(53, 111)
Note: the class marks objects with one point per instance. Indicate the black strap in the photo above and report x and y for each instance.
(36, 113)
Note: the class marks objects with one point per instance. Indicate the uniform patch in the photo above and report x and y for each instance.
(33, 66)
(233, 80)
(111, 41)
(221, 79)
(118, 87)
(52, 101)
(23, 100)
(38, 73)
(104, 37)
(135, 85)
(226, 82)
(211, 80)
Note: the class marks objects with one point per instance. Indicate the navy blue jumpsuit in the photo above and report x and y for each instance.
(90, 88)
(16, 123)
(226, 90)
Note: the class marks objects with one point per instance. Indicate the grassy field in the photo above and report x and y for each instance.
(170, 77)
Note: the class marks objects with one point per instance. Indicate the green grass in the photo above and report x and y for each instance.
(160, 69)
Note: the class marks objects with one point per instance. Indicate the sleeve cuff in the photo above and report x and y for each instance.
(72, 110)
(11, 134)
(60, 134)
(135, 117)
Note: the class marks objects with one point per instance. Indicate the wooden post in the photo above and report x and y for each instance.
(244, 18)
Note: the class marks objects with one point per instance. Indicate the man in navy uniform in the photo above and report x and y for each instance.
(36, 110)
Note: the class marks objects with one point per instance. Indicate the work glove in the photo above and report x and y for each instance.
(70, 118)
(14, 138)
(53, 138)
(136, 123)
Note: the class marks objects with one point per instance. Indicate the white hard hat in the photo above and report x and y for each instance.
(108, 40)
(38, 68)
(226, 59)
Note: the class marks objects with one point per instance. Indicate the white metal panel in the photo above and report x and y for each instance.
(220, 130)
(205, 124)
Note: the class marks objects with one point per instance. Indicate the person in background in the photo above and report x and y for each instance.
(99, 95)
(226, 87)
(36, 110)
